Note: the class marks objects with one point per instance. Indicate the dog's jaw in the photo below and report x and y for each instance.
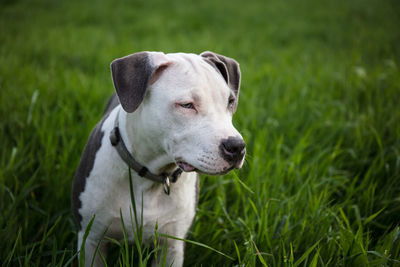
(143, 145)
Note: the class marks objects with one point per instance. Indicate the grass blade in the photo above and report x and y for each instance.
(305, 255)
(85, 235)
(197, 244)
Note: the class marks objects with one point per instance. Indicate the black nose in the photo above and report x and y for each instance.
(233, 149)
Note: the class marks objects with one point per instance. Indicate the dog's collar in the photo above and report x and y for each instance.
(119, 144)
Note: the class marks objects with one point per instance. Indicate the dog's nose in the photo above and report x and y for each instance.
(233, 149)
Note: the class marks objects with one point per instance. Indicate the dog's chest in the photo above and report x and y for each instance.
(108, 195)
(154, 207)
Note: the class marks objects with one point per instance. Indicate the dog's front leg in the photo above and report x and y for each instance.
(91, 245)
(174, 256)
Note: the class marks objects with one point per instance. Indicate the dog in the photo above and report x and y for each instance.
(169, 119)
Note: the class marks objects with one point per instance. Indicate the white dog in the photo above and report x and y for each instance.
(170, 119)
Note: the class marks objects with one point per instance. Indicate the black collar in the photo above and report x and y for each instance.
(119, 144)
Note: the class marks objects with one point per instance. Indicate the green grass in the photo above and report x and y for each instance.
(319, 109)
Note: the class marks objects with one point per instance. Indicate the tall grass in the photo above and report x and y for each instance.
(319, 110)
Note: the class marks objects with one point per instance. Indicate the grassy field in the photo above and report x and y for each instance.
(319, 110)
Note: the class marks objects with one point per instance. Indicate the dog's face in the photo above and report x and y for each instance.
(187, 106)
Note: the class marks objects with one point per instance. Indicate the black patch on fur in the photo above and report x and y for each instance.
(228, 67)
(87, 160)
(111, 103)
(131, 76)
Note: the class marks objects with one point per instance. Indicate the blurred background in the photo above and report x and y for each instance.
(319, 110)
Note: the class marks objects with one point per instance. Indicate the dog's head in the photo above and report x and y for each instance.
(185, 102)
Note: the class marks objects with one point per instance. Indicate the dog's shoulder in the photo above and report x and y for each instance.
(88, 158)
(111, 104)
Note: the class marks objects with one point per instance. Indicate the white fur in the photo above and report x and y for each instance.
(160, 133)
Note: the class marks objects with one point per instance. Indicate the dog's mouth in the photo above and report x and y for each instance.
(186, 167)
(220, 172)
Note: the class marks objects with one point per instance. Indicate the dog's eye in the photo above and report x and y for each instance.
(187, 105)
(231, 102)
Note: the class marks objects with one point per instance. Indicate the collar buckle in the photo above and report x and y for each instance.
(167, 186)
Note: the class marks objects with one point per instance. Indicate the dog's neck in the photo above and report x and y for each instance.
(142, 145)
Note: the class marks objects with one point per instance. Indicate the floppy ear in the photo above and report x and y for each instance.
(228, 67)
(133, 74)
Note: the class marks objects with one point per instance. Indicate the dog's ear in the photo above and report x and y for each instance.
(133, 74)
(228, 67)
